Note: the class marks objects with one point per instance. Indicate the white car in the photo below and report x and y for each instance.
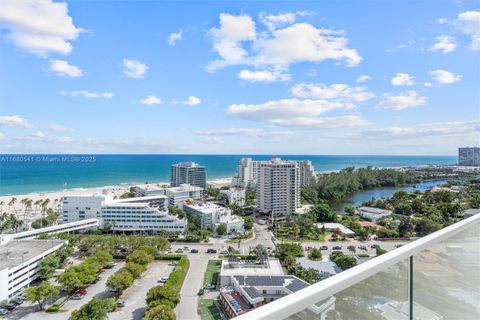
(163, 279)
(3, 312)
(179, 250)
(223, 251)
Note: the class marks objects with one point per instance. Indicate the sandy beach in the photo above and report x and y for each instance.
(55, 197)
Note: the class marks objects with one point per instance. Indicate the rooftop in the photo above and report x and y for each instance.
(333, 226)
(322, 266)
(375, 210)
(15, 252)
(269, 267)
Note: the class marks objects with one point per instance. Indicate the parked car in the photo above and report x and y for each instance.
(194, 251)
(337, 248)
(323, 247)
(186, 248)
(362, 248)
(179, 250)
(211, 251)
(18, 301)
(10, 306)
(308, 248)
(81, 291)
(77, 296)
(374, 246)
(173, 263)
(398, 245)
(209, 286)
(3, 312)
(223, 251)
(113, 290)
(201, 292)
(163, 279)
(121, 303)
(110, 265)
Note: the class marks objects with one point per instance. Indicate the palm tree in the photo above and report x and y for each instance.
(1, 205)
(37, 203)
(12, 204)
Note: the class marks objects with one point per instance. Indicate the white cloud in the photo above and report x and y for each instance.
(64, 69)
(468, 23)
(441, 129)
(445, 44)
(296, 113)
(2, 136)
(134, 69)
(192, 101)
(444, 76)
(264, 75)
(150, 100)
(212, 140)
(38, 26)
(174, 37)
(273, 21)
(14, 121)
(337, 92)
(428, 84)
(442, 20)
(250, 132)
(87, 94)
(56, 127)
(364, 78)
(404, 100)
(278, 47)
(402, 79)
(39, 135)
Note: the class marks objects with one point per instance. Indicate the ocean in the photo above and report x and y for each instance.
(23, 174)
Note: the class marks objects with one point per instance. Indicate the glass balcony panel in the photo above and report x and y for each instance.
(446, 278)
(383, 296)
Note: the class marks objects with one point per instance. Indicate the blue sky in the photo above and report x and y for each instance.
(366, 77)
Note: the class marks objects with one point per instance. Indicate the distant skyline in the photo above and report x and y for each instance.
(326, 78)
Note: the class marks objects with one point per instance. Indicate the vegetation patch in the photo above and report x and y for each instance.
(213, 269)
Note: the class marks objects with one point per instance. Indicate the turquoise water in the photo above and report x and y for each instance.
(21, 174)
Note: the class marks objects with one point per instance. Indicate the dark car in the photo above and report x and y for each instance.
(201, 292)
(337, 248)
(120, 303)
(323, 247)
(10, 306)
(194, 251)
(374, 246)
(362, 247)
(211, 251)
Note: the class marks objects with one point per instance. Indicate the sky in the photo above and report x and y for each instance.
(225, 77)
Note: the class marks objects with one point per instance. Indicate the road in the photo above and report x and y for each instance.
(134, 297)
(187, 308)
(387, 245)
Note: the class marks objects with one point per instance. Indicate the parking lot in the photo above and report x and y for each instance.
(343, 245)
(134, 297)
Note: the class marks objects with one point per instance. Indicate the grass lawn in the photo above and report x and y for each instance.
(208, 310)
(213, 269)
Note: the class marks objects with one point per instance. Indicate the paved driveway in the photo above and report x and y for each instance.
(187, 309)
(134, 297)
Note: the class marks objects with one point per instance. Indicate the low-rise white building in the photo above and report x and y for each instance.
(373, 213)
(19, 263)
(148, 214)
(175, 195)
(236, 267)
(330, 226)
(210, 215)
(235, 196)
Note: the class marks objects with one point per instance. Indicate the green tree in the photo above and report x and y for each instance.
(140, 257)
(160, 312)
(120, 280)
(162, 294)
(221, 229)
(41, 293)
(323, 213)
(47, 266)
(343, 261)
(315, 254)
(350, 210)
(248, 223)
(94, 310)
(135, 269)
(70, 279)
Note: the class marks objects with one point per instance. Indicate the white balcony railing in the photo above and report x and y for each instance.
(435, 277)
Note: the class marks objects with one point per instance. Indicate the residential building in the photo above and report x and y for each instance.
(247, 172)
(373, 213)
(188, 172)
(209, 215)
(235, 195)
(469, 156)
(236, 267)
(278, 186)
(330, 226)
(329, 267)
(19, 263)
(175, 195)
(141, 214)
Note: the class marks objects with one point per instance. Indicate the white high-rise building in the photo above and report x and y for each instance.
(247, 172)
(469, 156)
(175, 195)
(278, 186)
(131, 214)
(209, 215)
(188, 172)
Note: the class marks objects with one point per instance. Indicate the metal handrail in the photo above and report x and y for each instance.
(302, 299)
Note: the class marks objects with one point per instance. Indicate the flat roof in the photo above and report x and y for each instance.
(375, 210)
(322, 266)
(334, 225)
(16, 252)
(271, 268)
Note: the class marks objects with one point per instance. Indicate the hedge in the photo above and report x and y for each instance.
(178, 275)
(53, 308)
